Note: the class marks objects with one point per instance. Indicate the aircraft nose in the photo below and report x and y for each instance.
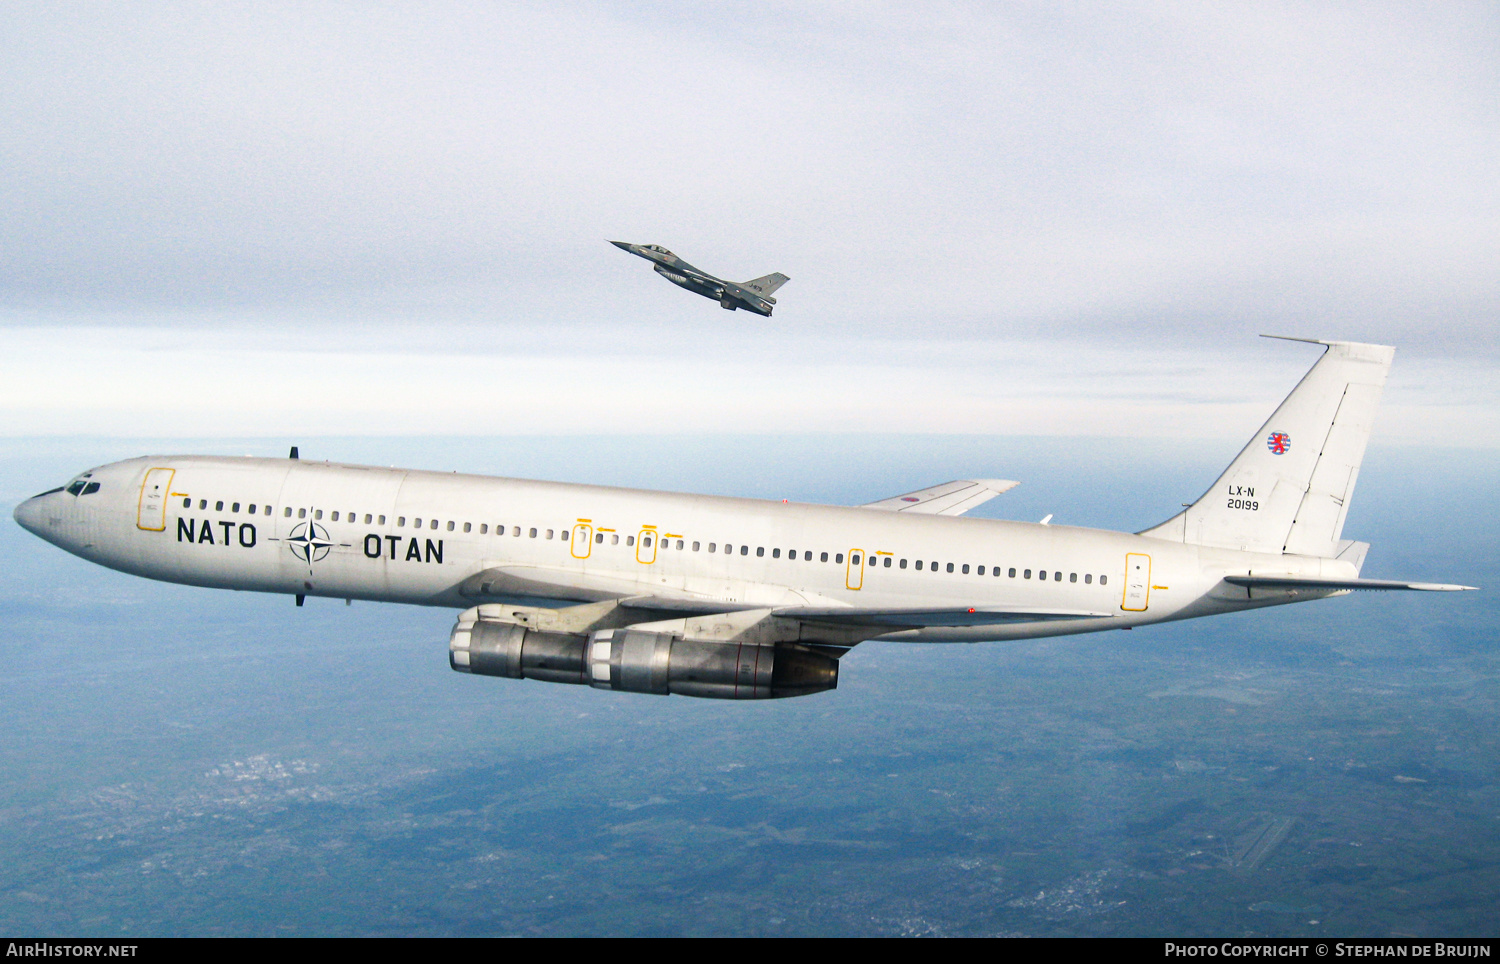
(29, 514)
(622, 245)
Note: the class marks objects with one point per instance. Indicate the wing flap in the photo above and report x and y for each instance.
(950, 498)
(922, 617)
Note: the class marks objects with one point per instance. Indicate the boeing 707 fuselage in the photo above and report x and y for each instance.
(734, 598)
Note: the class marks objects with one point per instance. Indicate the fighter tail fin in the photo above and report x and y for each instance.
(1288, 491)
(766, 287)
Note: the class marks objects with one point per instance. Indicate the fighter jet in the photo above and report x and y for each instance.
(751, 295)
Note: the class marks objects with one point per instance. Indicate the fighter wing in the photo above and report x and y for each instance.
(1309, 582)
(950, 498)
(946, 616)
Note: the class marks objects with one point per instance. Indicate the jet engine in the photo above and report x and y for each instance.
(638, 661)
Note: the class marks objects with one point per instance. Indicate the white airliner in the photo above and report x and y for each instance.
(658, 592)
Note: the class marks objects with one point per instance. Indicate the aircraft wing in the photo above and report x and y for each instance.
(547, 583)
(950, 498)
(557, 584)
(947, 616)
(1313, 582)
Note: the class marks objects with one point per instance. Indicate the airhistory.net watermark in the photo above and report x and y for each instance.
(67, 949)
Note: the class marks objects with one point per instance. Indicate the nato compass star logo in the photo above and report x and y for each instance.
(309, 542)
(1278, 443)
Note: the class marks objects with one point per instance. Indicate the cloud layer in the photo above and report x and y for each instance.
(1142, 177)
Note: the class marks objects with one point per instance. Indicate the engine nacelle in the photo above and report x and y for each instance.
(637, 661)
(488, 647)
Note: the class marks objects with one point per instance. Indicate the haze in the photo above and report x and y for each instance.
(352, 218)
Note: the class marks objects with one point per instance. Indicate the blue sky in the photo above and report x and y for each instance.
(1049, 219)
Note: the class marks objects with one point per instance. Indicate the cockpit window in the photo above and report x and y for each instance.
(82, 485)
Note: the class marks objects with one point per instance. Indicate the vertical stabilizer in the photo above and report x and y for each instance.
(1289, 489)
(766, 286)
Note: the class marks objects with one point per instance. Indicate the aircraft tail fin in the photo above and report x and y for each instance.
(1288, 491)
(766, 287)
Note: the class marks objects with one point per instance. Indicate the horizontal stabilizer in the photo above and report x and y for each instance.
(916, 618)
(1307, 582)
(950, 498)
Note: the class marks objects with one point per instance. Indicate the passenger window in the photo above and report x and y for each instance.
(838, 557)
(334, 517)
(919, 565)
(451, 524)
(997, 572)
(433, 524)
(950, 567)
(515, 531)
(287, 513)
(1072, 577)
(1042, 575)
(759, 551)
(966, 568)
(317, 513)
(903, 563)
(1088, 578)
(401, 521)
(745, 550)
(1026, 574)
(823, 557)
(382, 520)
(218, 507)
(614, 539)
(484, 528)
(1012, 572)
(695, 546)
(712, 547)
(302, 513)
(203, 504)
(630, 540)
(1103, 580)
(599, 538)
(416, 523)
(645, 542)
(679, 543)
(807, 556)
(775, 553)
(533, 533)
(187, 503)
(853, 560)
(468, 527)
(980, 571)
(887, 562)
(1057, 576)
